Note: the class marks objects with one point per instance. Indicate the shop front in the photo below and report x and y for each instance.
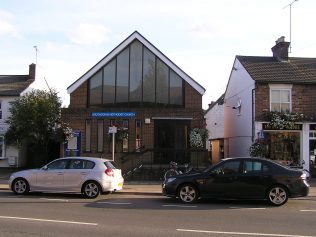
(295, 147)
(312, 149)
(284, 147)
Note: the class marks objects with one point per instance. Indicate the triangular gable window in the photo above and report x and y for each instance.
(136, 76)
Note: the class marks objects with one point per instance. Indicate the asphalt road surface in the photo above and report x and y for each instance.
(60, 215)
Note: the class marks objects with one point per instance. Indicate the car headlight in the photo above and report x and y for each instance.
(169, 180)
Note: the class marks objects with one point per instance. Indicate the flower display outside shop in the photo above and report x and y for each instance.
(198, 137)
(275, 141)
(281, 120)
(258, 149)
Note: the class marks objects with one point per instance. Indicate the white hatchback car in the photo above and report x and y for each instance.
(87, 175)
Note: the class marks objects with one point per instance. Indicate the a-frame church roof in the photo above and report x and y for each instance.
(121, 47)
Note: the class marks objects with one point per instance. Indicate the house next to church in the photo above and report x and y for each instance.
(151, 101)
(11, 88)
(271, 101)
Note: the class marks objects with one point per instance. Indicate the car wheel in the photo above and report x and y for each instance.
(91, 189)
(277, 195)
(20, 186)
(188, 193)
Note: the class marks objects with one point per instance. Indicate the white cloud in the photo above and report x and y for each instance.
(90, 34)
(6, 27)
(203, 30)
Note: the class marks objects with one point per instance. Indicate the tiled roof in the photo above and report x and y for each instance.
(13, 85)
(269, 69)
(219, 101)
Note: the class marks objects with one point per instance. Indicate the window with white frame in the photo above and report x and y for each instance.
(280, 98)
(1, 146)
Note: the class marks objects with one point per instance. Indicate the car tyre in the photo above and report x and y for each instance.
(91, 189)
(188, 193)
(20, 186)
(277, 195)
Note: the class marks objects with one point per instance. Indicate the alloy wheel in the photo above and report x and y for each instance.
(91, 190)
(20, 186)
(188, 193)
(277, 196)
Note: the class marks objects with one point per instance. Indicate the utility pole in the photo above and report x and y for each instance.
(290, 5)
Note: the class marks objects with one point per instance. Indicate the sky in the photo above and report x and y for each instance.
(202, 37)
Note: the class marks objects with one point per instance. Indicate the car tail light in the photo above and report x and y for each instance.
(109, 172)
(303, 176)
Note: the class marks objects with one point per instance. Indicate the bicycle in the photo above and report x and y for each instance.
(175, 170)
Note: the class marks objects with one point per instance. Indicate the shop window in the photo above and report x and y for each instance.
(284, 147)
(100, 135)
(88, 136)
(280, 98)
(1, 146)
(312, 134)
(138, 127)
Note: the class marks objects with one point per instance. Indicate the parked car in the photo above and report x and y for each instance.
(87, 175)
(239, 178)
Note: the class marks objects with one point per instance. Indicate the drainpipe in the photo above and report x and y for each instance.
(253, 115)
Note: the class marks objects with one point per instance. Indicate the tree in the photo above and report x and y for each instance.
(35, 118)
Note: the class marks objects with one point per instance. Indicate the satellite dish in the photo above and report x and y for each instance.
(238, 105)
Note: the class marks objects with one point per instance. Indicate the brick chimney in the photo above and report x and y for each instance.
(281, 49)
(211, 104)
(32, 71)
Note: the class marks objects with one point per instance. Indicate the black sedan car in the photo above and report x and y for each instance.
(239, 178)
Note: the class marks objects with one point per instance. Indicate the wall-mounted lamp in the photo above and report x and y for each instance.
(147, 120)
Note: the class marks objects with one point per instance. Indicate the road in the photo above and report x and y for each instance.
(136, 215)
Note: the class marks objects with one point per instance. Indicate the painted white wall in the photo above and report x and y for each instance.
(215, 126)
(215, 121)
(10, 151)
(238, 122)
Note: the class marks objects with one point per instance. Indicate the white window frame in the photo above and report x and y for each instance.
(280, 87)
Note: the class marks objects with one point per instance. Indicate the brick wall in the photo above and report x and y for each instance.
(303, 100)
(192, 98)
(77, 113)
(78, 98)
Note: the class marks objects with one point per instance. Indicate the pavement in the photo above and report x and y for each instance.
(140, 188)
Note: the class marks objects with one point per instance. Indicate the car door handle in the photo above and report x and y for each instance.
(84, 173)
(60, 173)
